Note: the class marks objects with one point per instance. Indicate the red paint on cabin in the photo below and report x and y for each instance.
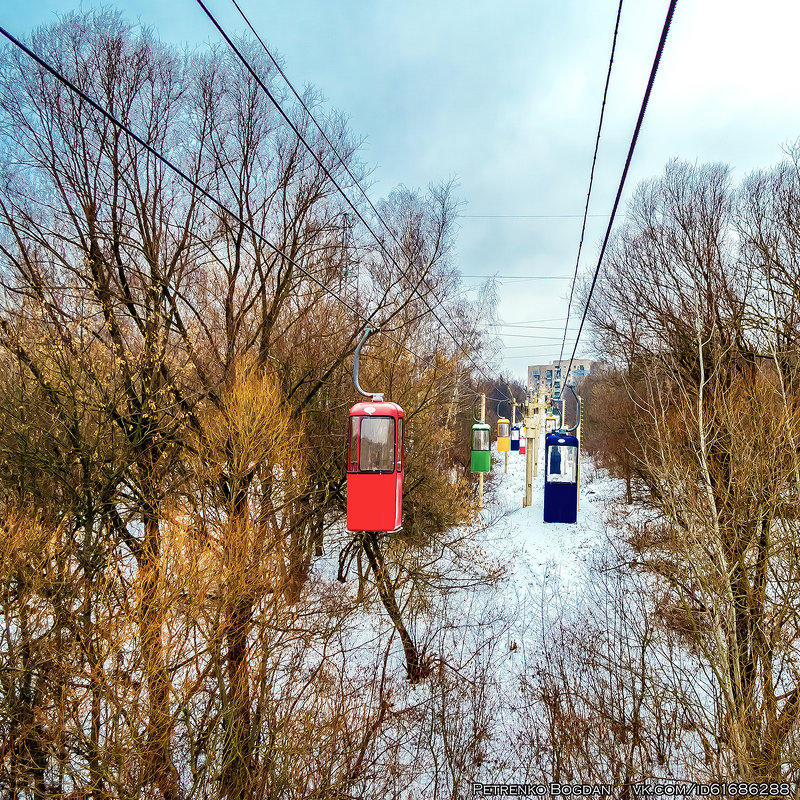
(375, 444)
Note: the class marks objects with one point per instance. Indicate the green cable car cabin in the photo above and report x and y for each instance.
(481, 460)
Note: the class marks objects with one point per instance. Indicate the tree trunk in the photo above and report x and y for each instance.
(237, 756)
(414, 667)
(158, 767)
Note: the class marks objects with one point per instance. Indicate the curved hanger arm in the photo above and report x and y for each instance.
(578, 405)
(510, 395)
(477, 397)
(374, 396)
(510, 399)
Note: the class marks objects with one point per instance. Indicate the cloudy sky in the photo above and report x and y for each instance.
(505, 98)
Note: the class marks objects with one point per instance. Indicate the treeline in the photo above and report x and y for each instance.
(696, 312)
(173, 402)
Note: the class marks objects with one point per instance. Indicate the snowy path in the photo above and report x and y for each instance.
(534, 545)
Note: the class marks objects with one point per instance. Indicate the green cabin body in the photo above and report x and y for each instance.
(481, 460)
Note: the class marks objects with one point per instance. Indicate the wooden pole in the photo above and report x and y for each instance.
(531, 431)
(539, 414)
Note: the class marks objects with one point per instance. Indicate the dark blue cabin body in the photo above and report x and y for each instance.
(561, 460)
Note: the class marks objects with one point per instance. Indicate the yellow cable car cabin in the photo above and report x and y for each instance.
(503, 435)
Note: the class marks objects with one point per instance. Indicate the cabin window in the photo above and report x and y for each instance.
(480, 439)
(377, 445)
(503, 428)
(562, 464)
(400, 443)
(352, 445)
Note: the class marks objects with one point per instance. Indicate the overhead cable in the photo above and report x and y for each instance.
(525, 216)
(591, 175)
(634, 139)
(327, 172)
(178, 171)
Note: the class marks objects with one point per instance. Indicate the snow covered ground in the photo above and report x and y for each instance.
(502, 612)
(543, 648)
(579, 646)
(539, 546)
(499, 640)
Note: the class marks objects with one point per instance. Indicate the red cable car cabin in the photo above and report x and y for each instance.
(375, 443)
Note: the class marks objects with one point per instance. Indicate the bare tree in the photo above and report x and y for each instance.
(151, 343)
(682, 305)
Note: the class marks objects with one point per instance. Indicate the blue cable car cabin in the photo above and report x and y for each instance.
(561, 459)
(515, 437)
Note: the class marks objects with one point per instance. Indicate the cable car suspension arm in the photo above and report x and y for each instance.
(376, 397)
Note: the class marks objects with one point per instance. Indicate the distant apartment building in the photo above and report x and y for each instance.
(548, 378)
